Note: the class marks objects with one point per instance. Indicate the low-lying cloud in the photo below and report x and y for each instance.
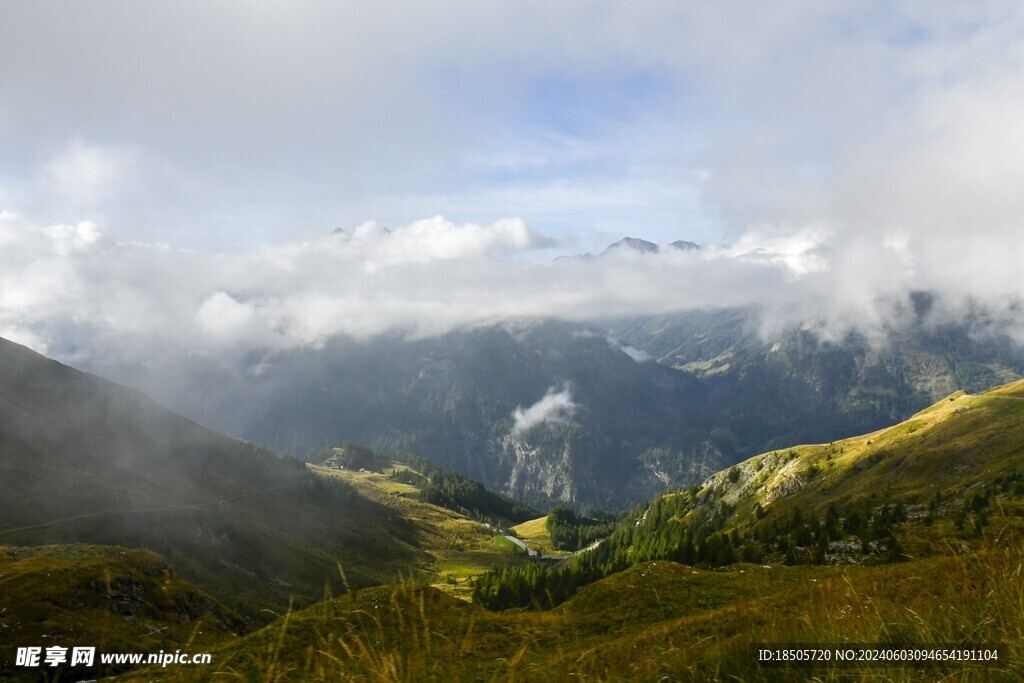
(556, 406)
(70, 291)
(636, 354)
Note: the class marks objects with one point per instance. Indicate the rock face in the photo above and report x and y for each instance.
(675, 465)
(795, 387)
(535, 472)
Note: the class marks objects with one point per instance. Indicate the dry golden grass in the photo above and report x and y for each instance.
(656, 622)
(458, 549)
(535, 534)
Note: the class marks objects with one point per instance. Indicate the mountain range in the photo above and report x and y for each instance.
(723, 562)
(644, 404)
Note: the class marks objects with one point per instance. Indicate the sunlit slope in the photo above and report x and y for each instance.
(961, 442)
(656, 621)
(536, 534)
(948, 480)
(83, 460)
(451, 548)
(1011, 390)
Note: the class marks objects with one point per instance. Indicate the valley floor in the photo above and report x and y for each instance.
(457, 549)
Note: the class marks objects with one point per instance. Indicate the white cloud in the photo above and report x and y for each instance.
(220, 317)
(435, 239)
(327, 113)
(798, 252)
(638, 355)
(845, 118)
(555, 406)
(69, 289)
(844, 154)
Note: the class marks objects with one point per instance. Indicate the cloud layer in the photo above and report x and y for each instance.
(70, 290)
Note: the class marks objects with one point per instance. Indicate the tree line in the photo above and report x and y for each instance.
(460, 493)
(691, 528)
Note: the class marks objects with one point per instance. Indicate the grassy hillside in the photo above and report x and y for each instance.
(947, 480)
(535, 533)
(461, 493)
(909, 535)
(961, 446)
(83, 460)
(656, 621)
(452, 548)
(114, 599)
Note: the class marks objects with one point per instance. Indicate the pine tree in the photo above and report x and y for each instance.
(894, 552)
(727, 553)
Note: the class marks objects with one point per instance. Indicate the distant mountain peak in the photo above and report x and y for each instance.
(632, 244)
(645, 247)
(635, 244)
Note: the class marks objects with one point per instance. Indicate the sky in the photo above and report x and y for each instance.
(273, 173)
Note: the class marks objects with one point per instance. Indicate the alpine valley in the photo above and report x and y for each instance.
(641, 405)
(436, 529)
(460, 342)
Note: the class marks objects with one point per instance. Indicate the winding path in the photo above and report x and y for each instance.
(536, 554)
